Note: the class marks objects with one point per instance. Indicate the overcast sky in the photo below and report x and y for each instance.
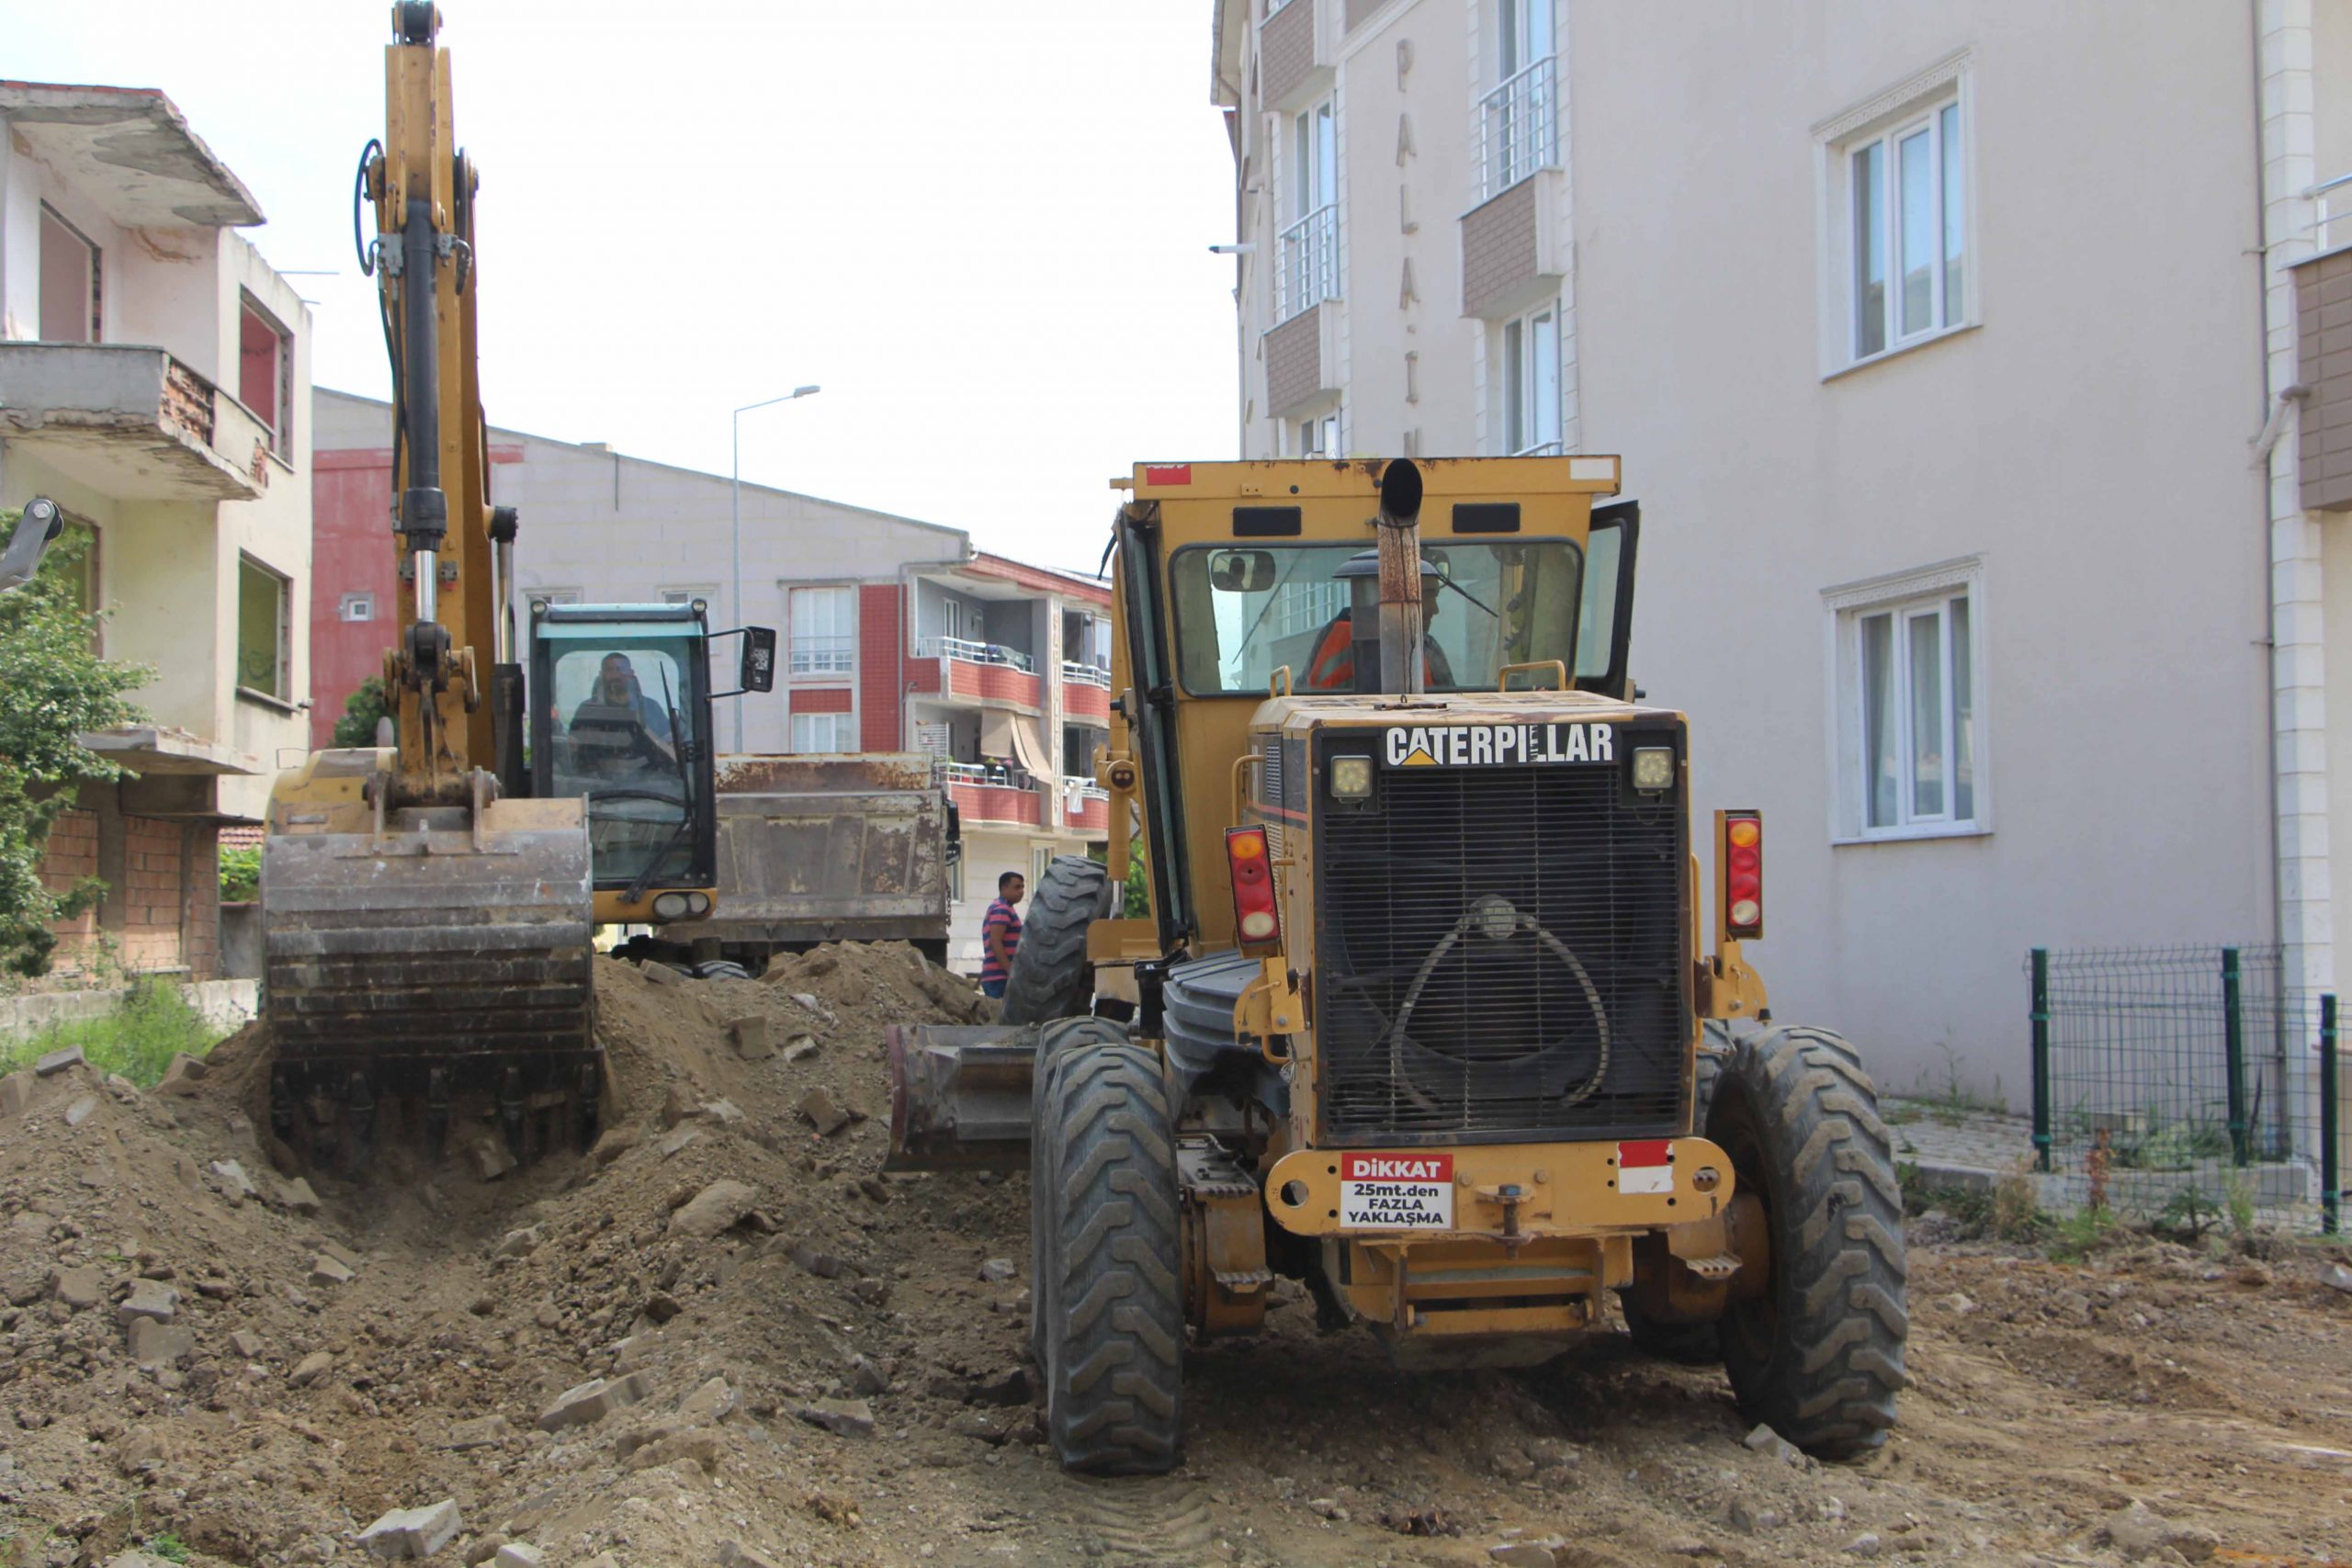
(982, 229)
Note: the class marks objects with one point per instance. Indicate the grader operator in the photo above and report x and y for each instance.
(1421, 1013)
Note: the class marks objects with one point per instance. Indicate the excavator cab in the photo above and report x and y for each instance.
(621, 704)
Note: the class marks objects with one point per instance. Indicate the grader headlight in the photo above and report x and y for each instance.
(1351, 778)
(1653, 769)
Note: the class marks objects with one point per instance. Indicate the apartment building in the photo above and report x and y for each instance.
(1955, 356)
(154, 382)
(894, 635)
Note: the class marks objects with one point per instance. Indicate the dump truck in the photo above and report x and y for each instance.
(1424, 1013)
(817, 849)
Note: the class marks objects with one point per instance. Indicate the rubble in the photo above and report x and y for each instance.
(57, 1062)
(716, 1207)
(414, 1533)
(592, 1401)
(150, 1299)
(827, 1118)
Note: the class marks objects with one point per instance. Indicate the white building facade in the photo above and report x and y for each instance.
(1953, 354)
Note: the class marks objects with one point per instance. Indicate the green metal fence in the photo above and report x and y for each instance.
(2169, 1078)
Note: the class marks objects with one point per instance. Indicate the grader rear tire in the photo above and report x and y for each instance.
(1054, 1042)
(1051, 976)
(1114, 1328)
(1819, 1355)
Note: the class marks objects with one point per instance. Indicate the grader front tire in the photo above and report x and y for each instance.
(1114, 1328)
(1051, 976)
(1054, 1043)
(1819, 1354)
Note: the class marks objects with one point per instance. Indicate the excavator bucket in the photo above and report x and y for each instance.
(436, 965)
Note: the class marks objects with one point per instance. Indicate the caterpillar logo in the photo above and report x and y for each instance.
(1498, 745)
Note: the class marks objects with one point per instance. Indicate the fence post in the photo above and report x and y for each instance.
(2330, 1179)
(2233, 1050)
(2041, 1058)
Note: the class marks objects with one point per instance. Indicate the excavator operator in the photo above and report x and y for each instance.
(619, 718)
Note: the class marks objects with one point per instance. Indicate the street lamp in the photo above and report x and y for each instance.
(737, 599)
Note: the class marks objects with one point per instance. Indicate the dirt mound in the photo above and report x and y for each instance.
(722, 1335)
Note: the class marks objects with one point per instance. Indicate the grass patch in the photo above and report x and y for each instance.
(168, 1547)
(138, 1039)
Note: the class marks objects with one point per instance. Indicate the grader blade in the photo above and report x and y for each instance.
(444, 961)
(959, 1096)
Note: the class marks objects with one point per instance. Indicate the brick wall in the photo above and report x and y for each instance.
(1498, 249)
(1286, 49)
(995, 683)
(153, 862)
(1295, 359)
(200, 900)
(881, 648)
(71, 854)
(821, 699)
(2324, 360)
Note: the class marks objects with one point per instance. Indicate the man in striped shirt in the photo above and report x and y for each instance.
(1000, 934)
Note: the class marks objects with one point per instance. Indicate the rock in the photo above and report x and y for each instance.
(998, 1271)
(723, 1111)
(612, 1143)
(326, 1271)
(802, 1049)
(662, 974)
(1010, 1386)
(518, 1554)
(414, 1533)
(248, 1343)
(311, 1368)
(481, 1432)
(865, 1378)
(1956, 1303)
(233, 1179)
(490, 1157)
(1765, 1440)
(1750, 1520)
(808, 1002)
(710, 1404)
(1866, 1544)
(734, 1554)
(138, 1560)
(2137, 1530)
(2337, 1277)
(2252, 1275)
(676, 1143)
(1522, 1554)
(78, 1288)
(752, 1038)
(143, 1453)
(676, 1105)
(519, 1243)
(702, 1446)
(183, 1075)
(714, 1209)
(81, 1110)
(824, 1264)
(148, 1298)
(345, 1256)
(980, 1429)
(844, 1417)
(56, 1062)
(592, 1401)
(16, 1093)
(155, 1345)
(824, 1115)
(298, 1196)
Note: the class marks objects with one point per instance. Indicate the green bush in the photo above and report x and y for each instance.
(139, 1039)
(241, 875)
(356, 728)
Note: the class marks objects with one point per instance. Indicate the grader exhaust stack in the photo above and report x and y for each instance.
(1401, 667)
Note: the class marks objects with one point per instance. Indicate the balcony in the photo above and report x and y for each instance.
(131, 422)
(1518, 128)
(1306, 263)
(994, 794)
(1086, 692)
(1086, 806)
(959, 669)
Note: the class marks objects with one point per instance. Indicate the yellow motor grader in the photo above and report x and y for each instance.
(1421, 1013)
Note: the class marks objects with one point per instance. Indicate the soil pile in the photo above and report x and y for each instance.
(722, 1335)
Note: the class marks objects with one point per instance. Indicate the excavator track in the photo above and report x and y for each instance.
(430, 975)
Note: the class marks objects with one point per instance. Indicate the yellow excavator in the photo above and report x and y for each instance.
(429, 905)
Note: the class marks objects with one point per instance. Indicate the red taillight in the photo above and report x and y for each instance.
(1254, 915)
(1743, 874)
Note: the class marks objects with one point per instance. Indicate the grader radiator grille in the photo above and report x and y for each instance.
(1499, 956)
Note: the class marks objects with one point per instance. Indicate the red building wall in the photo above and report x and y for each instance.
(352, 551)
(881, 644)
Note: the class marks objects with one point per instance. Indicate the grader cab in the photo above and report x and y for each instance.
(1419, 1014)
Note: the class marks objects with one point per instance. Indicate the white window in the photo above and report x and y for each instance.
(1307, 265)
(1520, 118)
(1319, 435)
(356, 607)
(1528, 376)
(266, 372)
(1041, 856)
(1900, 236)
(708, 594)
(824, 732)
(825, 632)
(1908, 663)
(553, 596)
(264, 630)
(69, 281)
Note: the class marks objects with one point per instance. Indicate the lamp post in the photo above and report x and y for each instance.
(737, 531)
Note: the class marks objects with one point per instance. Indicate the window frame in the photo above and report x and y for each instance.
(1883, 122)
(280, 425)
(96, 304)
(283, 698)
(801, 656)
(1902, 597)
(1517, 388)
(843, 724)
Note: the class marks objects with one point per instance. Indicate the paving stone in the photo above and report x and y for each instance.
(593, 1401)
(827, 1118)
(299, 1196)
(233, 1179)
(183, 1075)
(753, 1039)
(490, 1157)
(661, 975)
(803, 1048)
(1765, 1440)
(414, 1533)
(57, 1062)
(325, 1271)
(481, 1432)
(16, 1093)
(714, 1209)
(156, 1345)
(518, 1554)
(311, 1368)
(714, 1401)
(81, 1110)
(79, 1287)
(148, 1298)
(248, 1343)
(675, 1141)
(350, 1258)
(844, 1418)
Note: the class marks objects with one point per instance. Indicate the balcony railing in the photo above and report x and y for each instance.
(1083, 787)
(981, 773)
(1540, 449)
(1086, 674)
(2334, 201)
(972, 652)
(1306, 263)
(1518, 126)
